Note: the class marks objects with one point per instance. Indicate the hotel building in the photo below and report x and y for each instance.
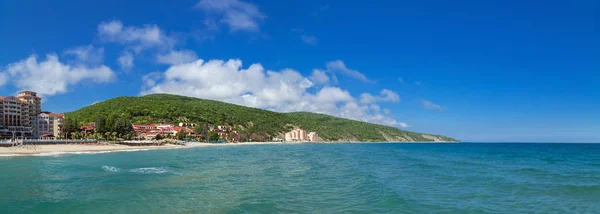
(301, 135)
(50, 124)
(18, 115)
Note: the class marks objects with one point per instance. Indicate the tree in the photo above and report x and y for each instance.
(114, 135)
(180, 135)
(69, 127)
(213, 136)
(123, 126)
(107, 135)
(101, 124)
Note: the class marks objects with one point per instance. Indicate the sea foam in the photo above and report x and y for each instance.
(110, 168)
(150, 170)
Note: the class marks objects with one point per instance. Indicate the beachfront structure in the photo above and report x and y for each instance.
(313, 137)
(18, 115)
(143, 128)
(163, 129)
(298, 134)
(49, 124)
(187, 124)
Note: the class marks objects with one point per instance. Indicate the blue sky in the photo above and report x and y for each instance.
(473, 70)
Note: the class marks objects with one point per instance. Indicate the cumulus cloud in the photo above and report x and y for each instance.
(135, 39)
(87, 54)
(3, 78)
(177, 57)
(432, 106)
(403, 125)
(138, 38)
(51, 76)
(237, 15)
(126, 61)
(319, 77)
(284, 91)
(384, 96)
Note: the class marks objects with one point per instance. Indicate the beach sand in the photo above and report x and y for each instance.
(64, 148)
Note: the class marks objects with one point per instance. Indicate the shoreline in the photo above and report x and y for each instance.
(54, 150)
(50, 150)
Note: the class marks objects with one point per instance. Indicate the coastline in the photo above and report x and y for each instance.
(52, 150)
(49, 150)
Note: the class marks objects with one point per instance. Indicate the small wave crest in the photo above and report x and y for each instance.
(150, 170)
(133, 150)
(110, 168)
(11, 155)
(69, 153)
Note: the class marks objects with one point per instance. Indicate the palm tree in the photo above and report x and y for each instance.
(114, 134)
(73, 135)
(107, 135)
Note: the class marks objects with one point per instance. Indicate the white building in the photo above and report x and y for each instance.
(313, 137)
(301, 135)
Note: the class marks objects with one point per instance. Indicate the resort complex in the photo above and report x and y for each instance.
(301, 136)
(18, 115)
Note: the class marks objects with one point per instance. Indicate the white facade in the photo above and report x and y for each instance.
(297, 135)
(313, 137)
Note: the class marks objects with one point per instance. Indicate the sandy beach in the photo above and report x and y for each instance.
(64, 148)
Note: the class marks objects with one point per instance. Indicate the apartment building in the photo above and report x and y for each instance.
(18, 114)
(301, 135)
(49, 124)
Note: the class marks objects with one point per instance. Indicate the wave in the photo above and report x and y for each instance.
(132, 150)
(150, 170)
(110, 168)
(11, 155)
(69, 153)
(44, 154)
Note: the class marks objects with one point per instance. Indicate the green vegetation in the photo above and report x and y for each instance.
(252, 123)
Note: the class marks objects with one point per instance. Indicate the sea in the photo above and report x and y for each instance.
(310, 178)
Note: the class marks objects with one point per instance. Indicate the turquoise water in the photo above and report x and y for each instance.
(310, 178)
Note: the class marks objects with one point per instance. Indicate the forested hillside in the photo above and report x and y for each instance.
(166, 108)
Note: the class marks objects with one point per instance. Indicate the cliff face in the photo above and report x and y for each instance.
(264, 124)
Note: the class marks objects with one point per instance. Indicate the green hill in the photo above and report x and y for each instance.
(262, 124)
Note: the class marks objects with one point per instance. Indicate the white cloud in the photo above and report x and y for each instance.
(138, 38)
(403, 125)
(238, 15)
(432, 106)
(3, 78)
(50, 77)
(177, 57)
(338, 66)
(126, 61)
(284, 91)
(387, 111)
(135, 38)
(384, 96)
(319, 77)
(87, 54)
